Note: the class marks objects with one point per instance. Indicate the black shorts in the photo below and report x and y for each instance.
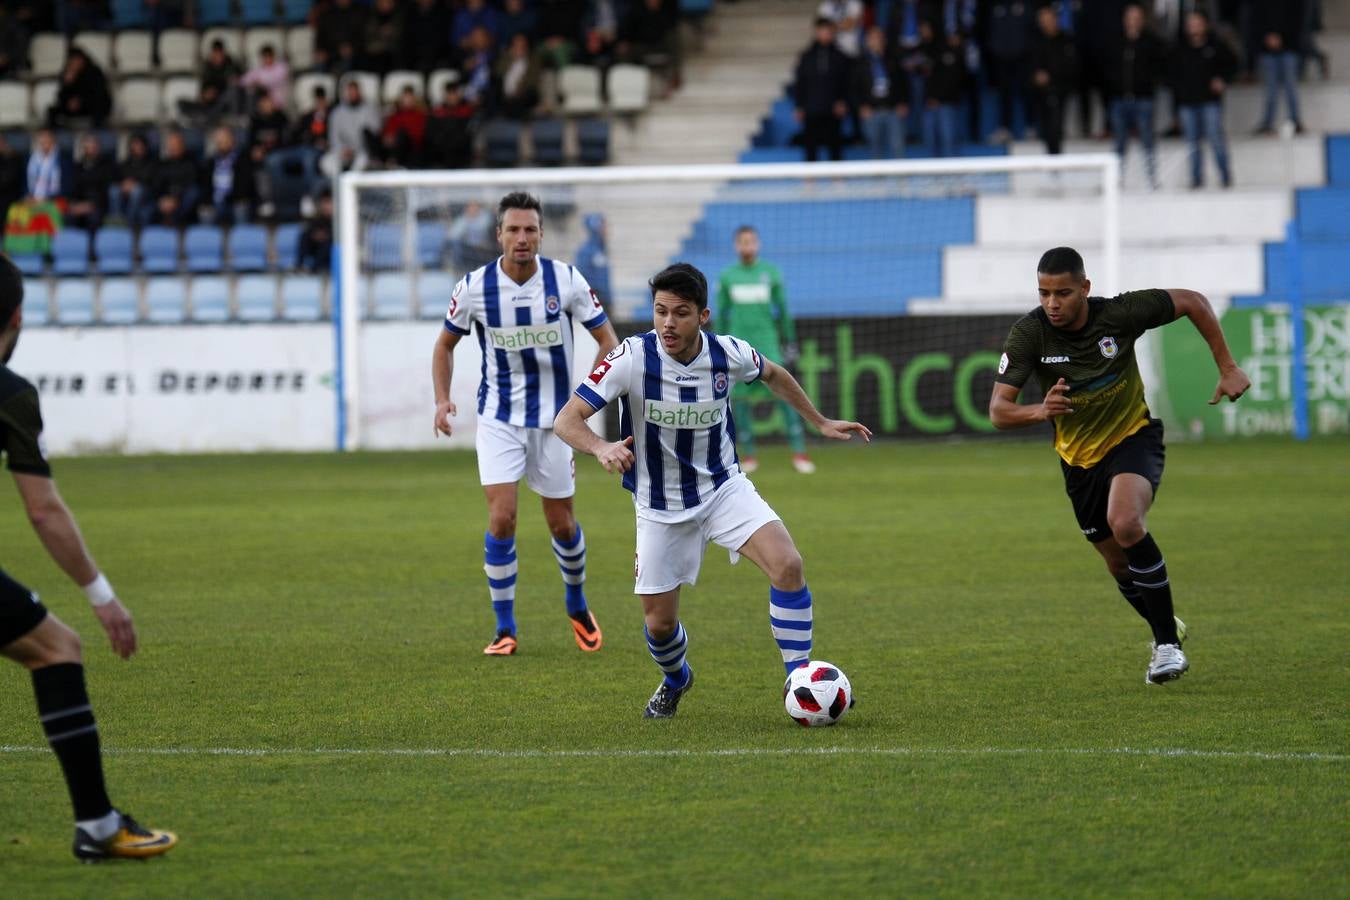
(1141, 453)
(20, 610)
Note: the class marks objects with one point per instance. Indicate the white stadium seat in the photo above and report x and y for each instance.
(397, 80)
(139, 99)
(437, 81)
(134, 52)
(302, 92)
(47, 54)
(178, 50)
(43, 96)
(580, 89)
(98, 46)
(300, 47)
(180, 87)
(13, 104)
(233, 38)
(629, 88)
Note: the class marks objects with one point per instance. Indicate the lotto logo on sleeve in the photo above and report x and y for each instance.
(595, 298)
(600, 371)
(1003, 364)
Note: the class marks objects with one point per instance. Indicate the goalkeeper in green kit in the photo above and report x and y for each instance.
(751, 306)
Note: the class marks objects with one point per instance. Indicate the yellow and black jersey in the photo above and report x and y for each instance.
(1096, 362)
(21, 426)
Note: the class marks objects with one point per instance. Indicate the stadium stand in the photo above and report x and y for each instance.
(165, 297)
(70, 251)
(74, 301)
(119, 301)
(210, 298)
(303, 297)
(159, 249)
(113, 252)
(256, 298)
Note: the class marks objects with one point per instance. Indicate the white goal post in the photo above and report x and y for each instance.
(652, 212)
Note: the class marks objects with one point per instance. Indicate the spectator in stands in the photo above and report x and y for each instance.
(1008, 34)
(228, 180)
(1279, 23)
(881, 96)
(1054, 72)
(312, 129)
(450, 130)
(50, 175)
(268, 128)
(1309, 51)
(14, 38)
(472, 238)
(477, 68)
(1133, 70)
(426, 36)
(820, 93)
(1097, 25)
(352, 129)
(176, 183)
(403, 136)
(598, 48)
(648, 36)
(559, 31)
(95, 172)
(592, 257)
(1202, 67)
(13, 178)
(218, 91)
(271, 75)
(516, 18)
(384, 37)
(130, 201)
(314, 253)
(517, 74)
(83, 94)
(944, 89)
(338, 29)
(847, 16)
(474, 14)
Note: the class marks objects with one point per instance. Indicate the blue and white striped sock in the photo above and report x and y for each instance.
(499, 558)
(790, 619)
(669, 655)
(571, 558)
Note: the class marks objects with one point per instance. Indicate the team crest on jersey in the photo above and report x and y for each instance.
(551, 304)
(720, 382)
(1108, 347)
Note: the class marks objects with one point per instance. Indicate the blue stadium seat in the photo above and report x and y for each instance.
(203, 245)
(165, 298)
(1338, 160)
(287, 248)
(129, 14)
(28, 263)
(390, 295)
(21, 142)
(384, 246)
(1321, 213)
(248, 248)
(214, 12)
(1322, 271)
(120, 300)
(159, 249)
(295, 12)
(74, 301)
(547, 137)
(301, 297)
(593, 142)
(36, 303)
(257, 12)
(430, 244)
(501, 144)
(113, 251)
(433, 294)
(70, 252)
(256, 297)
(210, 298)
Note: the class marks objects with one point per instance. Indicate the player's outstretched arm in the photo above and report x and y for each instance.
(442, 370)
(780, 381)
(1233, 382)
(56, 528)
(570, 425)
(1005, 412)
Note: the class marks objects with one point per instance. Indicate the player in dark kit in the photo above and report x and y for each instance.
(42, 643)
(1081, 350)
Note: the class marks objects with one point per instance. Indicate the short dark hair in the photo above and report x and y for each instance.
(1062, 261)
(744, 228)
(11, 289)
(682, 280)
(519, 200)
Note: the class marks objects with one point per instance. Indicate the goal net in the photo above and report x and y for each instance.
(901, 277)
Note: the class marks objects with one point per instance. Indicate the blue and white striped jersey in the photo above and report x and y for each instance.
(678, 415)
(525, 333)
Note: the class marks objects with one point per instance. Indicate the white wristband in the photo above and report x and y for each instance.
(99, 591)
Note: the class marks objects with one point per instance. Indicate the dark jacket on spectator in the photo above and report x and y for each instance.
(173, 176)
(449, 136)
(426, 38)
(1134, 68)
(945, 68)
(242, 183)
(866, 88)
(270, 131)
(217, 78)
(1283, 17)
(337, 25)
(561, 18)
(142, 170)
(1058, 57)
(1009, 28)
(91, 87)
(823, 76)
(1193, 68)
(92, 179)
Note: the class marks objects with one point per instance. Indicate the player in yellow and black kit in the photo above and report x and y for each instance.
(1081, 350)
(42, 643)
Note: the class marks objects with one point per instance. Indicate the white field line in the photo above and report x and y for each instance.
(482, 753)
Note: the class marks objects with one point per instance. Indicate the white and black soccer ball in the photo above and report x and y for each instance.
(817, 693)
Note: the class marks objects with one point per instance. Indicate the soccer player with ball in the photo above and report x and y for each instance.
(677, 455)
(1081, 350)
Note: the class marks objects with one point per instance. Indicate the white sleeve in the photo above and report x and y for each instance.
(457, 317)
(744, 364)
(612, 377)
(583, 303)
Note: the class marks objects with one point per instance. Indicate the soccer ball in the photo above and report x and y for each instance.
(817, 693)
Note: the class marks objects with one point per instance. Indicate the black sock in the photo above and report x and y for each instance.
(1133, 597)
(1149, 571)
(68, 720)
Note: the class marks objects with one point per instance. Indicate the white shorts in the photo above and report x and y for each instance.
(670, 545)
(506, 452)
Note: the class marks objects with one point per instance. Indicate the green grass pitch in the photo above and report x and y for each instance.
(306, 619)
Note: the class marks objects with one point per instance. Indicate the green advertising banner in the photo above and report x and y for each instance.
(1261, 339)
